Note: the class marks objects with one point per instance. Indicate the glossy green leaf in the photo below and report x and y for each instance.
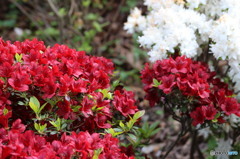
(156, 83)
(34, 104)
(18, 57)
(139, 114)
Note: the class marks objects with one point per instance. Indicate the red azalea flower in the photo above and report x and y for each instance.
(86, 106)
(6, 70)
(17, 126)
(198, 116)
(147, 75)
(5, 114)
(101, 121)
(102, 79)
(180, 64)
(202, 89)
(49, 89)
(167, 83)
(152, 96)
(163, 67)
(64, 109)
(124, 102)
(221, 120)
(65, 83)
(79, 86)
(230, 106)
(210, 112)
(19, 81)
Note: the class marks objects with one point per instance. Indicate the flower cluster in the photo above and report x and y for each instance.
(198, 20)
(54, 91)
(16, 143)
(193, 86)
(162, 28)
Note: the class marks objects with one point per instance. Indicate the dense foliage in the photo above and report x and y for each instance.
(62, 95)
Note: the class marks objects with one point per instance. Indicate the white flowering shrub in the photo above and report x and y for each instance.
(192, 26)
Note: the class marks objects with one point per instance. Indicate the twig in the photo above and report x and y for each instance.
(25, 12)
(200, 154)
(225, 74)
(173, 145)
(73, 4)
(61, 23)
(53, 7)
(29, 17)
(194, 136)
(182, 133)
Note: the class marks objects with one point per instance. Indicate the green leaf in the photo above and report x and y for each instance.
(53, 123)
(106, 94)
(34, 104)
(97, 26)
(100, 108)
(7, 23)
(130, 124)
(41, 108)
(145, 126)
(212, 143)
(117, 129)
(64, 126)
(217, 115)
(51, 31)
(117, 133)
(97, 153)
(53, 132)
(183, 109)
(121, 125)
(139, 114)
(132, 136)
(62, 12)
(21, 103)
(36, 126)
(86, 3)
(154, 125)
(159, 112)
(154, 132)
(5, 111)
(56, 124)
(156, 83)
(113, 132)
(115, 84)
(214, 120)
(110, 131)
(91, 16)
(75, 108)
(18, 57)
(40, 128)
(132, 139)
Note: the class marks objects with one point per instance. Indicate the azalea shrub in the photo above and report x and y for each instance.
(188, 88)
(204, 102)
(57, 102)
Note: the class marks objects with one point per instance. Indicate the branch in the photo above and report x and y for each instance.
(25, 12)
(194, 136)
(61, 23)
(53, 7)
(182, 133)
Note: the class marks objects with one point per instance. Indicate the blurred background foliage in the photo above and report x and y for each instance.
(95, 26)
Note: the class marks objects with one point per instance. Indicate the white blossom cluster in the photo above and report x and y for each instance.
(168, 25)
(188, 25)
(226, 37)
